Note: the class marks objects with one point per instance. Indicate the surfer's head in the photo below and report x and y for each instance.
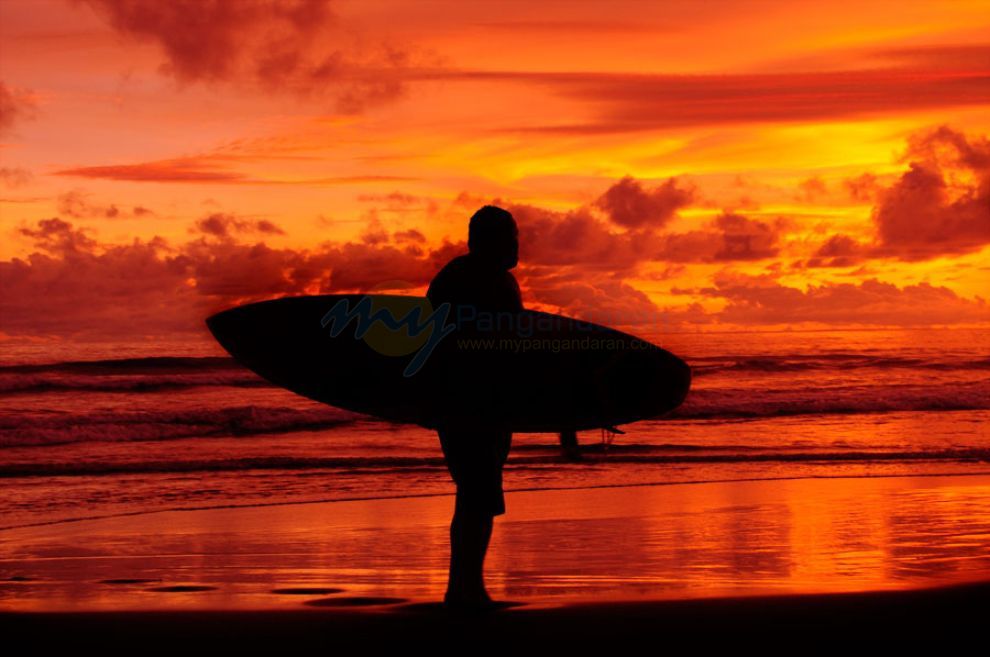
(493, 236)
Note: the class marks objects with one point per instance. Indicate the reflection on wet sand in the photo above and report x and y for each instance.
(674, 541)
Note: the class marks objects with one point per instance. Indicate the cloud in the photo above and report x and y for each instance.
(225, 225)
(401, 202)
(172, 170)
(15, 176)
(583, 261)
(578, 262)
(597, 297)
(70, 288)
(927, 79)
(627, 204)
(760, 300)
(941, 204)
(295, 46)
(153, 287)
(744, 238)
(400, 199)
(209, 169)
(579, 237)
(729, 237)
(15, 105)
(76, 204)
(576, 238)
(838, 251)
(863, 187)
(206, 40)
(59, 237)
(411, 235)
(811, 189)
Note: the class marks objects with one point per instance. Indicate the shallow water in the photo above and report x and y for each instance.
(151, 427)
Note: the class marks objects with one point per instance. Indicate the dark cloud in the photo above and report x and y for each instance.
(14, 106)
(628, 204)
(597, 297)
(744, 238)
(838, 251)
(294, 46)
(411, 235)
(577, 238)
(941, 204)
(922, 79)
(267, 227)
(729, 237)
(374, 232)
(863, 187)
(57, 236)
(223, 225)
(152, 287)
(207, 40)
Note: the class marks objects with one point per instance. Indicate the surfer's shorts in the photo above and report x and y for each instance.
(475, 458)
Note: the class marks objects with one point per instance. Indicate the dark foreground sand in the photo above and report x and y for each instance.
(795, 624)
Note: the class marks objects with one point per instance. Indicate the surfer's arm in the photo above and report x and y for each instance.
(515, 292)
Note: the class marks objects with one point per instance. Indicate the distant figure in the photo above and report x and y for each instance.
(474, 441)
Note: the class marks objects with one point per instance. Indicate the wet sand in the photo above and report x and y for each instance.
(741, 557)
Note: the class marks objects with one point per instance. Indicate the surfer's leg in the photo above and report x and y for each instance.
(569, 445)
(472, 459)
(470, 533)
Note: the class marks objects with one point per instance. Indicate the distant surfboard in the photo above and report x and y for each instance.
(400, 359)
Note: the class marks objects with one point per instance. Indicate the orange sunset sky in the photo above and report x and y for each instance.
(710, 165)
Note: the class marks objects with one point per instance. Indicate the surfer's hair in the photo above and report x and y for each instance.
(490, 224)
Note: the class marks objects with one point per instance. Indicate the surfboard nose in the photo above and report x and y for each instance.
(648, 382)
(679, 379)
(224, 326)
(247, 332)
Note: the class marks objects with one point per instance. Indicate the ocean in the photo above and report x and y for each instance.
(110, 429)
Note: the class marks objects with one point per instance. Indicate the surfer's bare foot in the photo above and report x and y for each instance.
(469, 601)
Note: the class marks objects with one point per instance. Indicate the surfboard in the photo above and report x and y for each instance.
(400, 359)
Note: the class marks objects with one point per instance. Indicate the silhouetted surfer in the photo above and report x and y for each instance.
(474, 441)
(473, 435)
